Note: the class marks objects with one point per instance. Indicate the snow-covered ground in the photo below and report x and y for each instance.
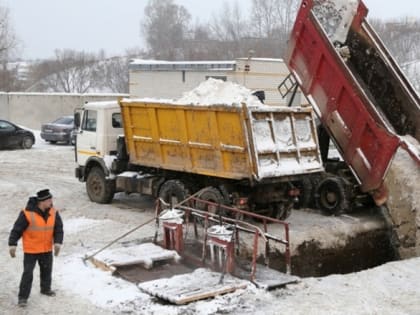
(82, 289)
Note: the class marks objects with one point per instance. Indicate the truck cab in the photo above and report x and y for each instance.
(98, 126)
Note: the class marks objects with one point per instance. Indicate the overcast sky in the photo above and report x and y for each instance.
(114, 25)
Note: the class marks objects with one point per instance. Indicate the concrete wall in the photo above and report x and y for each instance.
(33, 109)
(4, 107)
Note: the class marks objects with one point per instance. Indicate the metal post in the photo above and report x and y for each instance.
(254, 256)
(287, 251)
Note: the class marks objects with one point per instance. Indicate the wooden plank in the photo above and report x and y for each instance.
(204, 295)
(143, 254)
(200, 284)
(267, 278)
(101, 265)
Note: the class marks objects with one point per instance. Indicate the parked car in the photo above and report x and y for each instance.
(13, 136)
(59, 130)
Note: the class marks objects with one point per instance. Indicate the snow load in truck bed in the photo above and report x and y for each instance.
(212, 92)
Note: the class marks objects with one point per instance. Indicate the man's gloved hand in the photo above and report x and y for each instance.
(12, 251)
(57, 248)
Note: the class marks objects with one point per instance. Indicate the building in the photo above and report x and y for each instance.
(169, 79)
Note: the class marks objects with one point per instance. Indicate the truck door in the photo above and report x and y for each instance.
(87, 137)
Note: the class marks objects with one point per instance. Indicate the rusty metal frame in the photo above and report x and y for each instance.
(235, 219)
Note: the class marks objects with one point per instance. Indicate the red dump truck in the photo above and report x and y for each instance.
(362, 98)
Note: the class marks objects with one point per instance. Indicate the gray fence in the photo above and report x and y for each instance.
(33, 109)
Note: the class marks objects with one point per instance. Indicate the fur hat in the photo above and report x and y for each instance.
(43, 195)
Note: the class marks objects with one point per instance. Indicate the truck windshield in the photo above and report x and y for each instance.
(89, 120)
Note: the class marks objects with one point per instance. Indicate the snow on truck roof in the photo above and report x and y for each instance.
(101, 104)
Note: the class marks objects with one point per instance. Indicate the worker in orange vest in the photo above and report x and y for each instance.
(41, 229)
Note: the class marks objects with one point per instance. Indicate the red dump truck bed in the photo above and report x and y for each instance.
(358, 91)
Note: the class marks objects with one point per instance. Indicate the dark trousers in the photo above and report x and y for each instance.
(45, 262)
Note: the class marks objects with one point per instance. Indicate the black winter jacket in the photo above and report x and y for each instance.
(21, 223)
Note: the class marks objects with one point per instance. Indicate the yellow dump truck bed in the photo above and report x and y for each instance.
(236, 142)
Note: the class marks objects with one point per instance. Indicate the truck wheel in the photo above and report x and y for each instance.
(98, 188)
(331, 196)
(210, 194)
(173, 191)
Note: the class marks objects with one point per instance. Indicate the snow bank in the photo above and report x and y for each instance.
(95, 285)
(402, 181)
(76, 225)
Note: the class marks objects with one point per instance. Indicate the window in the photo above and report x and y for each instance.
(116, 120)
(89, 120)
(67, 120)
(5, 126)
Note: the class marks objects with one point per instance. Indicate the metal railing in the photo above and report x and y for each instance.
(236, 219)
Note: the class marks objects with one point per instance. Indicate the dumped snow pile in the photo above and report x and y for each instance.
(403, 183)
(218, 92)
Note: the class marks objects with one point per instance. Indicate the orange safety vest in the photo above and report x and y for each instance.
(38, 236)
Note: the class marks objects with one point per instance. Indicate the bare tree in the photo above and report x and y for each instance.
(231, 34)
(8, 40)
(402, 37)
(70, 72)
(230, 24)
(115, 74)
(286, 12)
(228, 31)
(264, 19)
(200, 45)
(9, 45)
(272, 21)
(165, 26)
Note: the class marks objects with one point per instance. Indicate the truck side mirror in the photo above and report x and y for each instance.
(77, 119)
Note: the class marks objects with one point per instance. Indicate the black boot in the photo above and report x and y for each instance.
(22, 302)
(48, 292)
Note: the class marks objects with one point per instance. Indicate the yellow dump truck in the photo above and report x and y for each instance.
(252, 156)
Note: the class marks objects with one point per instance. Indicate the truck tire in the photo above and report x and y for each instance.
(210, 194)
(173, 191)
(98, 188)
(331, 196)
